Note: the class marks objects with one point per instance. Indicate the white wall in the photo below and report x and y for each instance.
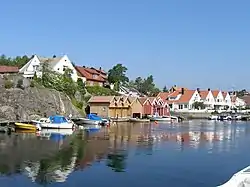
(65, 63)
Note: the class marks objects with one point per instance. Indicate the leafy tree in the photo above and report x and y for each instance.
(165, 89)
(117, 75)
(199, 105)
(146, 86)
(19, 61)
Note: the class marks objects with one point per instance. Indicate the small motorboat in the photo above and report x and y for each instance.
(56, 122)
(26, 126)
(239, 179)
(213, 117)
(138, 120)
(164, 118)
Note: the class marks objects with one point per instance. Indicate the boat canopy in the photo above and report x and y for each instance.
(93, 117)
(58, 119)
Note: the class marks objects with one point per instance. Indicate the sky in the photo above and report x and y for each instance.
(189, 43)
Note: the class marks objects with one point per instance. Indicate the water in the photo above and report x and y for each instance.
(195, 153)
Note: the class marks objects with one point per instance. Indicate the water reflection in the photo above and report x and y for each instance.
(51, 155)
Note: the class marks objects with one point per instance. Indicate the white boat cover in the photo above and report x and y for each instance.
(240, 179)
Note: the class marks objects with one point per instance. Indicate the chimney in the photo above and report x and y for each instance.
(54, 56)
(198, 90)
(182, 91)
(100, 68)
(208, 89)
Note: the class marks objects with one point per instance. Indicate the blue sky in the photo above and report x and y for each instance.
(190, 43)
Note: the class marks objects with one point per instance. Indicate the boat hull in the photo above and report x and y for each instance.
(57, 125)
(23, 126)
(138, 120)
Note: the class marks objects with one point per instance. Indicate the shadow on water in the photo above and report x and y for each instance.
(50, 157)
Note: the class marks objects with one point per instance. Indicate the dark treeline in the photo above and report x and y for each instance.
(18, 61)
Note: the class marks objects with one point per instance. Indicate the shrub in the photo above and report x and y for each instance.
(20, 83)
(32, 84)
(8, 84)
(99, 90)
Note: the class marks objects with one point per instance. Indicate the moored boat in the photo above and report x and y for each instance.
(164, 118)
(239, 179)
(56, 122)
(26, 126)
(139, 120)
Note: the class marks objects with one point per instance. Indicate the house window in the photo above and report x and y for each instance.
(185, 106)
(170, 105)
(218, 100)
(180, 106)
(58, 69)
(94, 76)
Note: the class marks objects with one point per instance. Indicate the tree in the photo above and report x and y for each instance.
(146, 86)
(165, 89)
(199, 105)
(19, 61)
(117, 75)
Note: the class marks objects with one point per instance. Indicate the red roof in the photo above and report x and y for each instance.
(9, 69)
(90, 74)
(203, 94)
(215, 93)
(185, 98)
(163, 95)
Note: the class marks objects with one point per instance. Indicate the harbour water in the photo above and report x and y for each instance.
(195, 153)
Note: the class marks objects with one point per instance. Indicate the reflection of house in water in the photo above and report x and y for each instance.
(42, 160)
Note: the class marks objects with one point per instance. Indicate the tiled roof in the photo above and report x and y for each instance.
(185, 98)
(52, 61)
(143, 100)
(90, 74)
(9, 69)
(246, 98)
(174, 94)
(203, 94)
(215, 93)
(164, 95)
(101, 99)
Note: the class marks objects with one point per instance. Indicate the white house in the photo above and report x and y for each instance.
(57, 64)
(219, 100)
(227, 99)
(183, 101)
(237, 102)
(207, 98)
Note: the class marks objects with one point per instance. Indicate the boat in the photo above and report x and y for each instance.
(138, 120)
(92, 127)
(164, 118)
(26, 126)
(56, 122)
(91, 119)
(239, 179)
(213, 117)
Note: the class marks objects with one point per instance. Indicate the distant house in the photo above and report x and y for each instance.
(207, 98)
(8, 70)
(129, 92)
(240, 102)
(56, 64)
(92, 76)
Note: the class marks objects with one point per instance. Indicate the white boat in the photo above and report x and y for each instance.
(164, 118)
(56, 122)
(213, 117)
(240, 179)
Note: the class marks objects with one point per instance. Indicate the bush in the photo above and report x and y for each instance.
(32, 84)
(99, 90)
(20, 83)
(8, 84)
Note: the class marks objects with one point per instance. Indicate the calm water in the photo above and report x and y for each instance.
(195, 153)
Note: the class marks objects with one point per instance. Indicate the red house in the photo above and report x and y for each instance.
(159, 106)
(147, 106)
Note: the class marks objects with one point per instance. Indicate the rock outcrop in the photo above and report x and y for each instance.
(32, 103)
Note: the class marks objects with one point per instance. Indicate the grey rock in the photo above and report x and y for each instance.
(33, 103)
